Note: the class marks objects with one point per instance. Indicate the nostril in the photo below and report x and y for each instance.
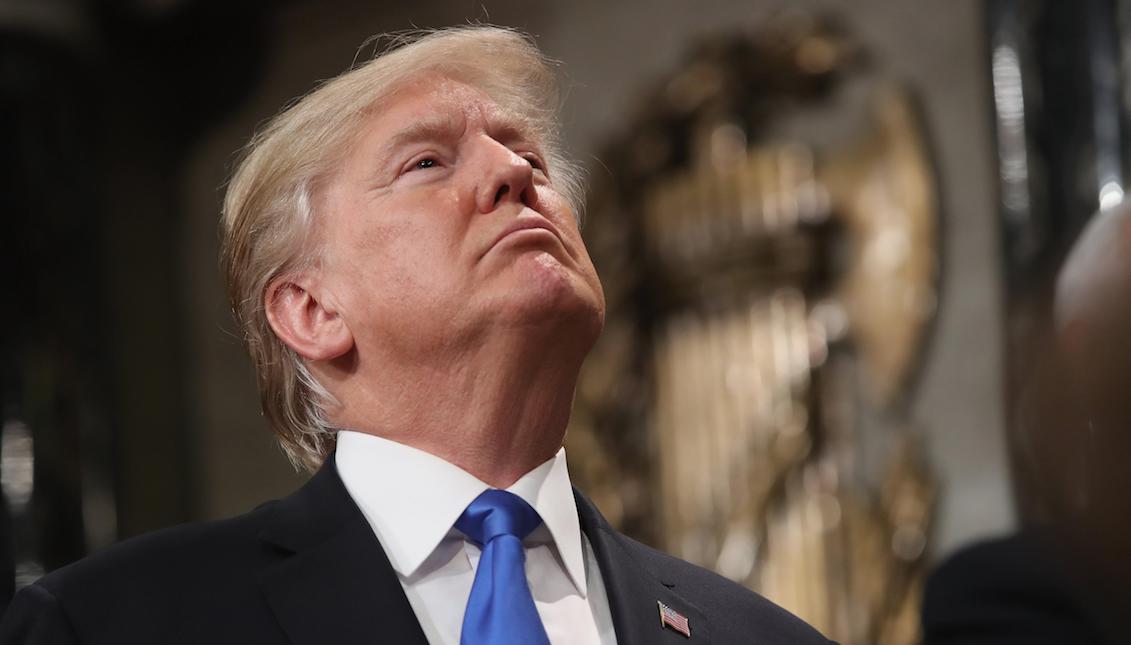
(503, 190)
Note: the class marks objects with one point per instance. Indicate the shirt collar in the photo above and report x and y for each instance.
(412, 499)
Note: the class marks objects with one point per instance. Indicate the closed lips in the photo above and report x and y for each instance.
(524, 225)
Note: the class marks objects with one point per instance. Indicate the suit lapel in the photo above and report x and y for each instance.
(633, 590)
(334, 583)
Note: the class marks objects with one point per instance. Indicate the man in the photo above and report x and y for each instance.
(404, 259)
(1063, 578)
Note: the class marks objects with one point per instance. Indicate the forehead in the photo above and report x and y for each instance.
(431, 103)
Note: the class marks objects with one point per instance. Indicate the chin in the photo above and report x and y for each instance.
(548, 293)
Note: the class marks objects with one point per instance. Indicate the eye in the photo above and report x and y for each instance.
(534, 161)
(423, 161)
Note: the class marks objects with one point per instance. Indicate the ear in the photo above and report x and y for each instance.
(304, 321)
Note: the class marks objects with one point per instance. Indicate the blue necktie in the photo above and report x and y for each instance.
(500, 610)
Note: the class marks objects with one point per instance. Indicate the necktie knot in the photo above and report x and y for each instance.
(496, 513)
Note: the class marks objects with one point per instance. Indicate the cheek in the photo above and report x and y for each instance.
(584, 263)
(554, 206)
(373, 235)
(397, 248)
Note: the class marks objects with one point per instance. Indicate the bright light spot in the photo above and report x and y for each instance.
(17, 466)
(1110, 195)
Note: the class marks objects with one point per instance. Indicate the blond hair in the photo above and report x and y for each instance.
(270, 205)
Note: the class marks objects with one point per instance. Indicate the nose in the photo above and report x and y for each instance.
(504, 177)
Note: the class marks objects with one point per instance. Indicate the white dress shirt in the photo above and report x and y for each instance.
(412, 500)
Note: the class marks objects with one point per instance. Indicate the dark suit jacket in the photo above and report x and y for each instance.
(307, 570)
(1013, 591)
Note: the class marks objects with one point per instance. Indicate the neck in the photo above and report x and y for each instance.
(497, 410)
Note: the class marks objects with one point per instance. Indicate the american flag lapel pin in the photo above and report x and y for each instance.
(673, 620)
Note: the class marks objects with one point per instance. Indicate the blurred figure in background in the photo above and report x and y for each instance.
(1067, 579)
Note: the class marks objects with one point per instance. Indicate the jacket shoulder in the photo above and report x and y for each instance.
(177, 553)
(148, 588)
(729, 606)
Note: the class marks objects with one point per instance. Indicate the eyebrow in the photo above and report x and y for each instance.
(509, 126)
(429, 129)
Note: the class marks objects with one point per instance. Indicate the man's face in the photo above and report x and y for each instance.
(443, 227)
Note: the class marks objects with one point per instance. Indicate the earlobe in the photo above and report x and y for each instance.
(303, 321)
